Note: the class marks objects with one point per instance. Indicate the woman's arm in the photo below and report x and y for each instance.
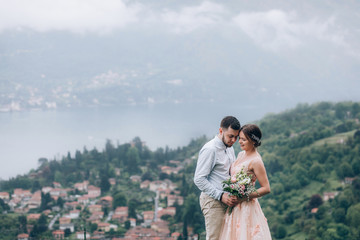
(260, 172)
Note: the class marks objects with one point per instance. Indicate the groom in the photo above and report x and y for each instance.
(215, 159)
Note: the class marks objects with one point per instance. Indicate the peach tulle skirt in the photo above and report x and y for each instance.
(246, 222)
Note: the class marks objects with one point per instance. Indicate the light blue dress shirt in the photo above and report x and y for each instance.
(213, 167)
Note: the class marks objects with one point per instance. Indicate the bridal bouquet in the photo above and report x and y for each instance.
(239, 185)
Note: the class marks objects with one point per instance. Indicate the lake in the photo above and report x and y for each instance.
(29, 135)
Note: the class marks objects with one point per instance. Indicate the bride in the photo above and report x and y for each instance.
(247, 221)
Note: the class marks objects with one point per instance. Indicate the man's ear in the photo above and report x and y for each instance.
(221, 130)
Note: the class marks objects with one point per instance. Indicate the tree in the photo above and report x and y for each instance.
(42, 161)
(23, 222)
(93, 227)
(353, 215)
(146, 176)
(339, 215)
(127, 224)
(3, 206)
(280, 232)
(133, 203)
(45, 200)
(35, 186)
(344, 170)
(67, 232)
(104, 183)
(315, 171)
(60, 202)
(119, 200)
(133, 159)
(315, 201)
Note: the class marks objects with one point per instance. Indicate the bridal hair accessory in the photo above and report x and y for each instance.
(255, 138)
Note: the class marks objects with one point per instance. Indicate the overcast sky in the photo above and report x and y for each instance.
(274, 26)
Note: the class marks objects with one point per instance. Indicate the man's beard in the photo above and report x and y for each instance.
(223, 140)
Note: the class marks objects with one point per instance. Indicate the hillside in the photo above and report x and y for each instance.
(311, 153)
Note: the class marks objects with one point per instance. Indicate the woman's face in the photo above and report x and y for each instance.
(245, 144)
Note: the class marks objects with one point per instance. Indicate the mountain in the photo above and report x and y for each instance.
(312, 157)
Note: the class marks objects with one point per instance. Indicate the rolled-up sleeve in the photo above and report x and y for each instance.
(205, 164)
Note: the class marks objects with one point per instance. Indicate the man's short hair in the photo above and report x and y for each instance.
(230, 121)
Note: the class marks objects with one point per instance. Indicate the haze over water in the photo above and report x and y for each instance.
(27, 136)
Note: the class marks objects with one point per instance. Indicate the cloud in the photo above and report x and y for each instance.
(99, 16)
(68, 15)
(176, 82)
(189, 19)
(275, 29)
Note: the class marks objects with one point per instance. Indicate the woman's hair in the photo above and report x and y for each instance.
(252, 133)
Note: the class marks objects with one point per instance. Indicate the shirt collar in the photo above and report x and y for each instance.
(219, 143)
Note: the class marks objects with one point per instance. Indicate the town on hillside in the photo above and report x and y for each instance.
(85, 205)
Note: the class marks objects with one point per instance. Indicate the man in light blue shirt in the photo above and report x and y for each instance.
(213, 166)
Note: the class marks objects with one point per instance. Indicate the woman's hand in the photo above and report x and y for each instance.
(229, 200)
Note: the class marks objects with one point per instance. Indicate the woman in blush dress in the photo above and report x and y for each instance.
(247, 220)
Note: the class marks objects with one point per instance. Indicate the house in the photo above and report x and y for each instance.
(23, 236)
(329, 195)
(166, 169)
(21, 194)
(117, 171)
(80, 235)
(105, 227)
(135, 178)
(4, 195)
(69, 226)
(175, 235)
(46, 190)
(96, 217)
(82, 187)
(35, 200)
(21, 210)
(106, 201)
(64, 220)
(58, 234)
(132, 222)
(140, 233)
(71, 205)
(74, 214)
(112, 181)
(349, 180)
(148, 216)
(95, 208)
(55, 192)
(166, 211)
(93, 192)
(161, 227)
(145, 184)
(174, 198)
(46, 212)
(314, 210)
(33, 217)
(164, 192)
(98, 235)
(84, 200)
(120, 214)
(175, 162)
(155, 185)
(56, 185)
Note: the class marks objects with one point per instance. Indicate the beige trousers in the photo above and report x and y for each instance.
(214, 212)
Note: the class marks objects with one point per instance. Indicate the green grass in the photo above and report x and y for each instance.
(298, 236)
(334, 139)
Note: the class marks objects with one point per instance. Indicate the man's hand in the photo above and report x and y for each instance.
(229, 200)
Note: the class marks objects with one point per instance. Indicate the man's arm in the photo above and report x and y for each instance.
(205, 164)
